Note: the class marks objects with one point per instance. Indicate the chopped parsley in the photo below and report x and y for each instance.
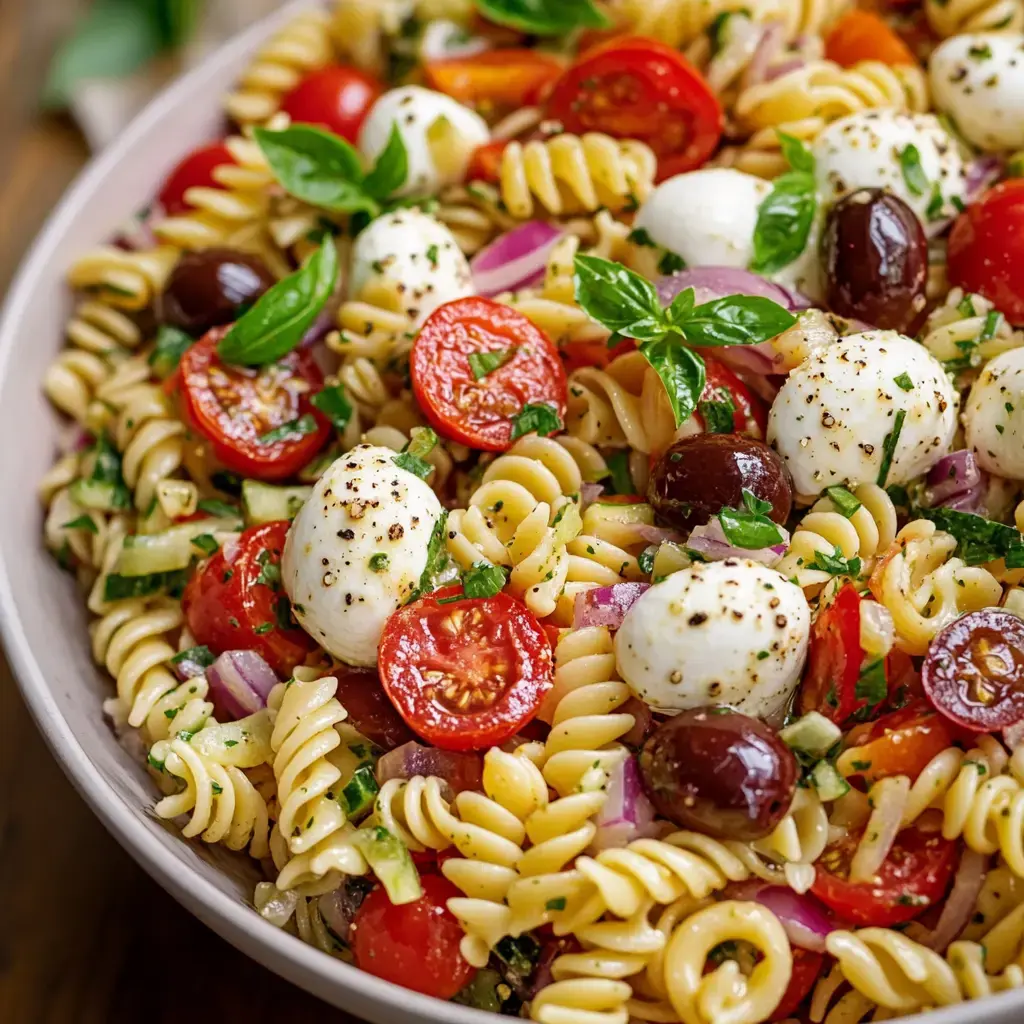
(541, 419)
(889, 447)
(871, 685)
(334, 404)
(287, 431)
(913, 173)
(200, 655)
(83, 522)
(379, 562)
(412, 458)
(748, 527)
(483, 363)
(903, 382)
(835, 564)
(483, 580)
(205, 542)
(845, 502)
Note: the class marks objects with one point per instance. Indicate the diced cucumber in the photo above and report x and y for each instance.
(358, 795)
(266, 503)
(812, 734)
(482, 992)
(145, 554)
(828, 782)
(391, 863)
(120, 588)
(100, 494)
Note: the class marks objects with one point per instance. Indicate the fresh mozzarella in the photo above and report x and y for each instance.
(409, 260)
(978, 79)
(994, 416)
(870, 150)
(732, 632)
(357, 549)
(439, 133)
(833, 421)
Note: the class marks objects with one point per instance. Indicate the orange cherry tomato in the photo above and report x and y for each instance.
(862, 35)
(900, 743)
(505, 79)
(485, 163)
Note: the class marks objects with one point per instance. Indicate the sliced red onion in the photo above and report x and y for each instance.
(645, 533)
(804, 917)
(956, 482)
(338, 908)
(961, 901)
(981, 173)
(606, 606)
(514, 259)
(460, 769)
(589, 493)
(240, 682)
(627, 814)
(784, 68)
(756, 360)
(187, 668)
(772, 39)
(716, 282)
(710, 541)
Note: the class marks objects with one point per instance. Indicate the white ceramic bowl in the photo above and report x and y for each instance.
(42, 615)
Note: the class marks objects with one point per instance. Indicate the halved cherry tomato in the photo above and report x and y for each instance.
(750, 414)
(235, 601)
(986, 248)
(637, 88)
(368, 707)
(914, 876)
(862, 35)
(336, 98)
(806, 968)
(834, 658)
(485, 163)
(479, 412)
(900, 743)
(235, 407)
(194, 171)
(505, 79)
(974, 670)
(465, 673)
(415, 945)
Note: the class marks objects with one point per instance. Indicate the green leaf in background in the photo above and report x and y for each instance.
(282, 315)
(543, 17)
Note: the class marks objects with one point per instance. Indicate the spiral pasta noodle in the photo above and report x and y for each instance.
(122, 279)
(957, 16)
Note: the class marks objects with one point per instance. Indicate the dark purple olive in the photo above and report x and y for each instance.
(702, 474)
(719, 772)
(876, 260)
(211, 287)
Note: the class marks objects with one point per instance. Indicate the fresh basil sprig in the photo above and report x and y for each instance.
(749, 527)
(326, 171)
(281, 315)
(543, 17)
(628, 305)
(786, 214)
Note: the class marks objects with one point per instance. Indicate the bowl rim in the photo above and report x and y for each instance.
(234, 920)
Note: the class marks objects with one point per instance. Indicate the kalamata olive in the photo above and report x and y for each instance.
(210, 287)
(700, 475)
(876, 260)
(719, 772)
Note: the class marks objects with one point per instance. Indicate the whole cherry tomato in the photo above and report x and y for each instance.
(194, 171)
(336, 98)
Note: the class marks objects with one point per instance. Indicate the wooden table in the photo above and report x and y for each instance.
(85, 936)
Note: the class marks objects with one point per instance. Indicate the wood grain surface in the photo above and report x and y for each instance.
(85, 936)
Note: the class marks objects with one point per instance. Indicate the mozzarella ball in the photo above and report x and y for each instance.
(869, 149)
(994, 416)
(732, 632)
(978, 79)
(833, 419)
(357, 549)
(410, 261)
(439, 133)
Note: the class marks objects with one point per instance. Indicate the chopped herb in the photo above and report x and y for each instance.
(903, 382)
(860, 766)
(898, 495)
(748, 527)
(214, 507)
(835, 564)
(965, 307)
(719, 416)
(283, 612)
(379, 562)
(618, 468)
(83, 522)
(205, 542)
(670, 262)
(889, 447)
(334, 404)
(871, 685)
(231, 743)
(979, 51)
(483, 363)
(993, 318)
(483, 580)
(979, 539)
(432, 254)
(119, 588)
(645, 560)
(200, 655)
(270, 572)
(540, 419)
(641, 236)
(263, 627)
(913, 173)
(412, 458)
(287, 431)
(845, 502)
(170, 345)
(558, 903)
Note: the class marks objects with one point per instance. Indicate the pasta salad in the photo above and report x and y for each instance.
(546, 486)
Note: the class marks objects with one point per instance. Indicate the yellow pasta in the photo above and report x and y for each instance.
(953, 17)
(122, 279)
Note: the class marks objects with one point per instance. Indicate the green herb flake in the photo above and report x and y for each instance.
(483, 363)
(543, 17)
(641, 237)
(835, 564)
(748, 527)
(978, 539)
(483, 580)
(670, 263)
(412, 458)
(334, 404)
(541, 419)
(719, 416)
(206, 543)
(263, 627)
(913, 173)
(558, 903)
(871, 684)
(432, 254)
(291, 430)
(168, 348)
(844, 501)
(903, 382)
(83, 522)
(379, 562)
(992, 321)
(889, 447)
(220, 509)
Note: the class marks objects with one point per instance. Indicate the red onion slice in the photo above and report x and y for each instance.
(710, 541)
(805, 918)
(716, 282)
(627, 814)
(606, 606)
(240, 682)
(956, 482)
(961, 901)
(515, 259)
(460, 769)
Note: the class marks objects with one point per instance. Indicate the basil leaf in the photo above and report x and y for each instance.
(391, 169)
(317, 167)
(536, 419)
(978, 539)
(913, 172)
(845, 502)
(83, 522)
(736, 320)
(290, 430)
(282, 315)
(784, 221)
(681, 307)
(753, 504)
(483, 580)
(413, 464)
(798, 155)
(889, 447)
(170, 345)
(681, 371)
(871, 685)
(543, 17)
(748, 530)
(483, 363)
(334, 404)
(835, 564)
(422, 441)
(622, 301)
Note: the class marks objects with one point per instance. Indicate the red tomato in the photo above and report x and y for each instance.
(637, 88)
(496, 78)
(485, 163)
(415, 945)
(465, 673)
(751, 415)
(901, 742)
(336, 98)
(195, 171)
(479, 413)
(914, 876)
(834, 658)
(368, 707)
(577, 354)
(235, 596)
(986, 248)
(806, 968)
(235, 406)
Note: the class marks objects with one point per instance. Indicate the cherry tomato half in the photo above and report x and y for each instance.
(485, 163)
(834, 658)
(465, 673)
(750, 414)
(900, 743)
(912, 878)
(505, 79)
(336, 98)
(194, 171)
(236, 407)
(986, 248)
(806, 968)
(415, 945)
(637, 88)
(974, 670)
(235, 601)
(479, 411)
